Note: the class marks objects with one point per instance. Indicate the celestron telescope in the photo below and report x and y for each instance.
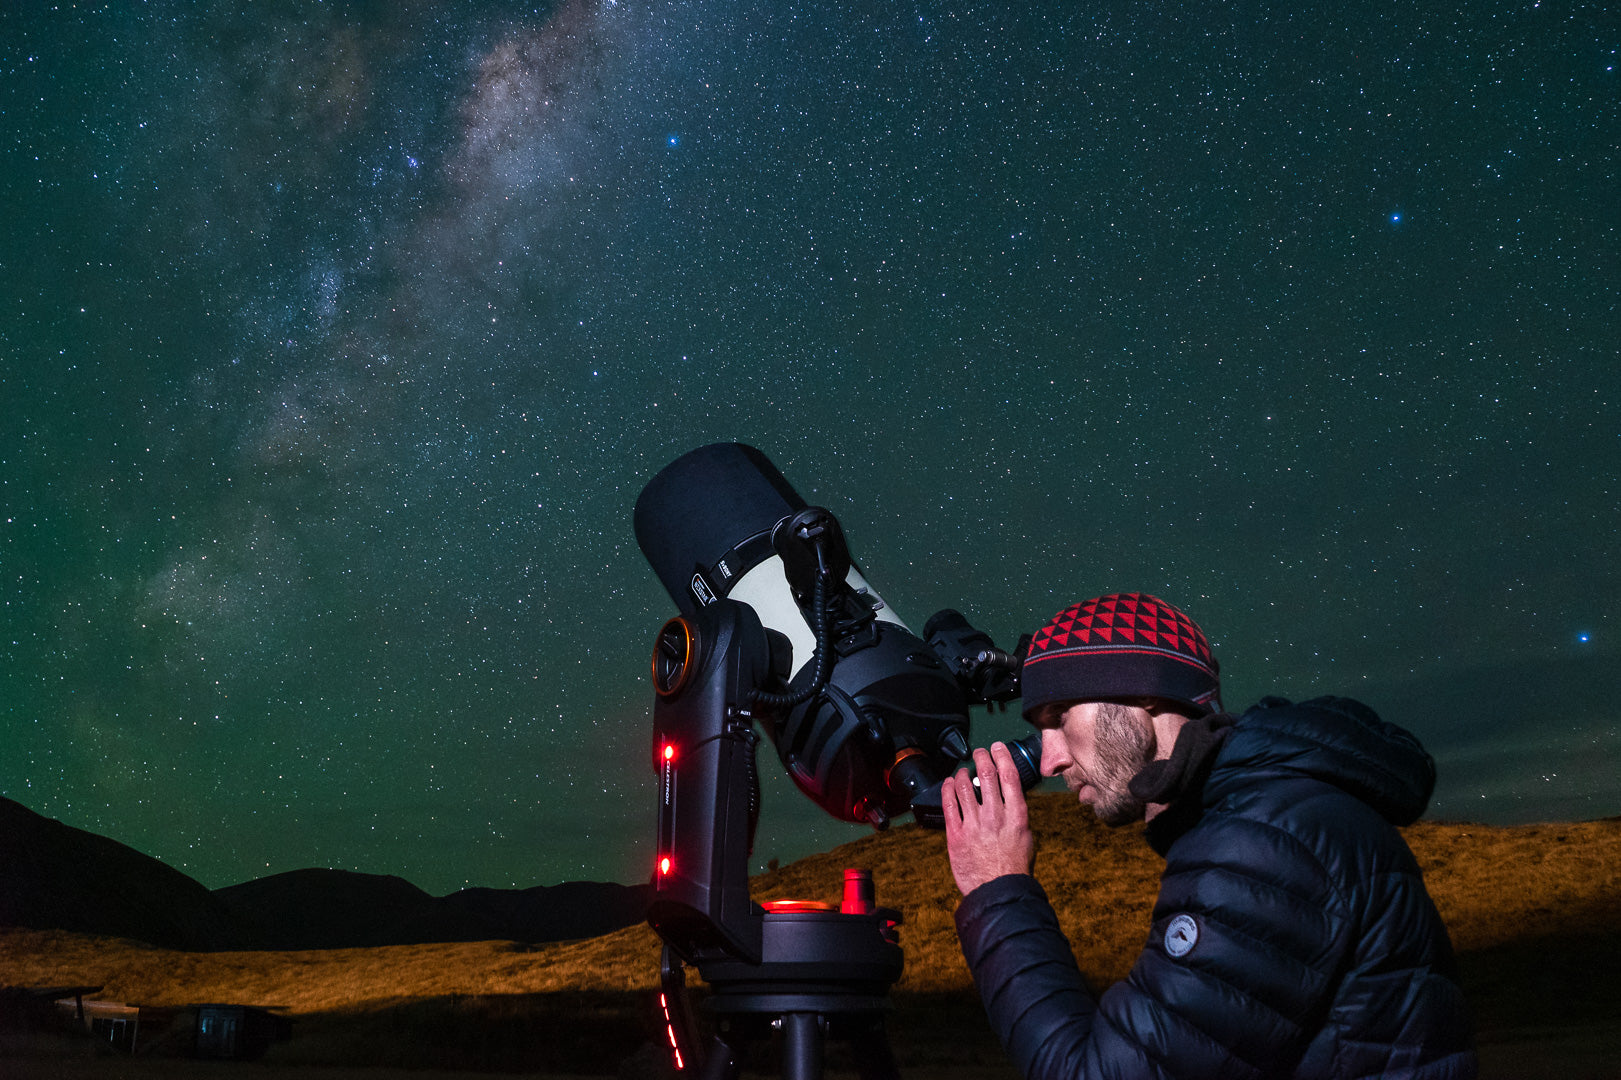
(778, 626)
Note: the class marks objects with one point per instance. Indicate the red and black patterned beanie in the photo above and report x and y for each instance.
(1123, 645)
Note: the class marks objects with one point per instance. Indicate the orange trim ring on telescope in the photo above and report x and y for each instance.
(688, 644)
(904, 753)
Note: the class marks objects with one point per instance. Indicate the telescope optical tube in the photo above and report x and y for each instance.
(723, 522)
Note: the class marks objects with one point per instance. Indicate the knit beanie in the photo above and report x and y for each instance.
(1123, 645)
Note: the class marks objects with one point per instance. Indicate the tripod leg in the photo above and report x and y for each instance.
(874, 1058)
(802, 1046)
(680, 1030)
(720, 1063)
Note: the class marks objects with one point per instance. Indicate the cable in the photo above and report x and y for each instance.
(823, 657)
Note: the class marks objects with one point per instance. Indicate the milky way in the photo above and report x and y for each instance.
(339, 342)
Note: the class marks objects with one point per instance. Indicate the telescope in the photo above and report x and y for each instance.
(779, 632)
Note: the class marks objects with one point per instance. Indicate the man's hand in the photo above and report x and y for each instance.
(988, 836)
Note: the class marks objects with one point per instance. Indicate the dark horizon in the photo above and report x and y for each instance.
(338, 345)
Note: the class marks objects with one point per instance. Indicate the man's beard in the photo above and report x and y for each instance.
(1124, 746)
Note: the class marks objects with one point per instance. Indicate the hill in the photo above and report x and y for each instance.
(56, 877)
(341, 909)
(53, 875)
(1534, 911)
(323, 909)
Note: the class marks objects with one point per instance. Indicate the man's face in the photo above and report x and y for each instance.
(1097, 747)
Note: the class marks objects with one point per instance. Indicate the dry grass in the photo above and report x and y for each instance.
(1531, 910)
(309, 982)
(1496, 886)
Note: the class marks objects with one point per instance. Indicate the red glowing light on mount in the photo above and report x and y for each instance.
(669, 1029)
(664, 865)
(669, 751)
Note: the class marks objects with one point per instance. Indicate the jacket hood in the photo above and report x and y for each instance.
(1335, 740)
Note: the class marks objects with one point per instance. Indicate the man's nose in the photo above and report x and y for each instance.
(1054, 754)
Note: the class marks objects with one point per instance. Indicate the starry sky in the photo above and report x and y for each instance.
(337, 340)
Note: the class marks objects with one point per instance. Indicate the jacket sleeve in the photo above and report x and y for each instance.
(1037, 1000)
(1237, 972)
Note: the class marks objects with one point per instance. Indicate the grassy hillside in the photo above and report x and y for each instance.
(1534, 912)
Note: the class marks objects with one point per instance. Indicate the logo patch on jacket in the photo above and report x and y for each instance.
(1181, 935)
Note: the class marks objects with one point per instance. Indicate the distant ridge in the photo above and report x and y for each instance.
(56, 877)
(53, 876)
(323, 909)
(337, 909)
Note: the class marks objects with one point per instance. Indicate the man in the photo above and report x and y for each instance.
(1292, 935)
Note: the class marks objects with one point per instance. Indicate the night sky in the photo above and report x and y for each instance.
(337, 340)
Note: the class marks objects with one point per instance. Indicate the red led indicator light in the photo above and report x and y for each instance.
(669, 1029)
(664, 865)
(669, 751)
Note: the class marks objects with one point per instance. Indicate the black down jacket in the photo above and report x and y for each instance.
(1292, 935)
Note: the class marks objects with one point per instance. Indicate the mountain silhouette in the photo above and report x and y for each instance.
(54, 876)
(334, 909)
(324, 909)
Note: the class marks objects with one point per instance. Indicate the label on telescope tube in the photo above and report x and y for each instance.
(701, 589)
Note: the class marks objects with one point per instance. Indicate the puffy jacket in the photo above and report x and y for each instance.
(1292, 935)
